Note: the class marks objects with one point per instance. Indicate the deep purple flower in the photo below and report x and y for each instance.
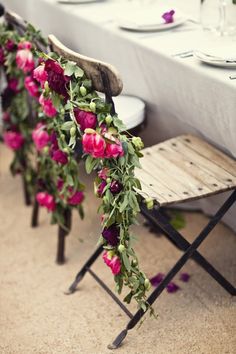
(60, 157)
(184, 277)
(172, 287)
(111, 235)
(56, 79)
(10, 45)
(169, 16)
(101, 188)
(2, 57)
(115, 187)
(157, 279)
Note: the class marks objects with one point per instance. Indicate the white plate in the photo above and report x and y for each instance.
(147, 28)
(215, 62)
(71, 2)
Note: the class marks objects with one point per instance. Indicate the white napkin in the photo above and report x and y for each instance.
(224, 53)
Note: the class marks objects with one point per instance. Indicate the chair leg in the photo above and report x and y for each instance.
(177, 267)
(84, 270)
(35, 214)
(27, 198)
(62, 233)
(169, 231)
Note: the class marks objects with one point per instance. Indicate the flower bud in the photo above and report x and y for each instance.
(110, 254)
(147, 284)
(108, 180)
(121, 248)
(83, 91)
(62, 136)
(137, 142)
(134, 262)
(149, 203)
(72, 131)
(92, 106)
(46, 149)
(112, 131)
(66, 150)
(89, 131)
(108, 119)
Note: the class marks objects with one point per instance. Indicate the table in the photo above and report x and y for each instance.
(182, 95)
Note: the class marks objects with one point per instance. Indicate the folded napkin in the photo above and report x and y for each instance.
(220, 53)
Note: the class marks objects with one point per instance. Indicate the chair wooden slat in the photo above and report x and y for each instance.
(185, 168)
(105, 77)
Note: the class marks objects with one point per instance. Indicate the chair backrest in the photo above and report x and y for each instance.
(15, 20)
(105, 77)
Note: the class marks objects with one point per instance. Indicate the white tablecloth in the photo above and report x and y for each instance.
(182, 95)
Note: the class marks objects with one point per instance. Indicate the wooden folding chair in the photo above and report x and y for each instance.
(178, 170)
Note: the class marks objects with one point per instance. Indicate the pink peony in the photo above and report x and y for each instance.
(49, 202)
(40, 74)
(113, 262)
(40, 197)
(47, 106)
(103, 173)
(94, 144)
(13, 140)
(25, 45)
(13, 84)
(31, 87)
(76, 198)
(40, 137)
(60, 157)
(85, 119)
(114, 150)
(25, 60)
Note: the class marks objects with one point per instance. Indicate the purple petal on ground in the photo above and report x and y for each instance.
(172, 287)
(184, 277)
(157, 279)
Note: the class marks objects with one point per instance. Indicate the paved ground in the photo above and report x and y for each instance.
(36, 316)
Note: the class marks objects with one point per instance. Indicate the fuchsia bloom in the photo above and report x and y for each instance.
(2, 57)
(55, 76)
(40, 74)
(76, 198)
(31, 86)
(103, 173)
(101, 188)
(46, 200)
(60, 157)
(114, 150)
(169, 16)
(13, 84)
(47, 106)
(113, 262)
(14, 140)
(10, 45)
(6, 117)
(24, 57)
(40, 137)
(85, 119)
(94, 144)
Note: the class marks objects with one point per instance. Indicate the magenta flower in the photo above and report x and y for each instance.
(40, 197)
(169, 16)
(31, 87)
(55, 76)
(2, 57)
(40, 74)
(114, 150)
(6, 117)
(13, 140)
(101, 188)
(47, 106)
(111, 235)
(46, 200)
(60, 157)
(115, 187)
(157, 279)
(10, 45)
(13, 84)
(114, 263)
(60, 184)
(25, 45)
(25, 60)
(76, 198)
(40, 137)
(85, 119)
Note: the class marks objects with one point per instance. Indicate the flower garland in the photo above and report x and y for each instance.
(107, 149)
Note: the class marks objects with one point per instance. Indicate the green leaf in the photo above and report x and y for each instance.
(78, 72)
(90, 164)
(119, 124)
(124, 204)
(126, 262)
(70, 68)
(67, 125)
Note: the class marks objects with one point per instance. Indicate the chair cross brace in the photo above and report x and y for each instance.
(190, 251)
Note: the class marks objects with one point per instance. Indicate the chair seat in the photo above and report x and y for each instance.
(130, 109)
(183, 169)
